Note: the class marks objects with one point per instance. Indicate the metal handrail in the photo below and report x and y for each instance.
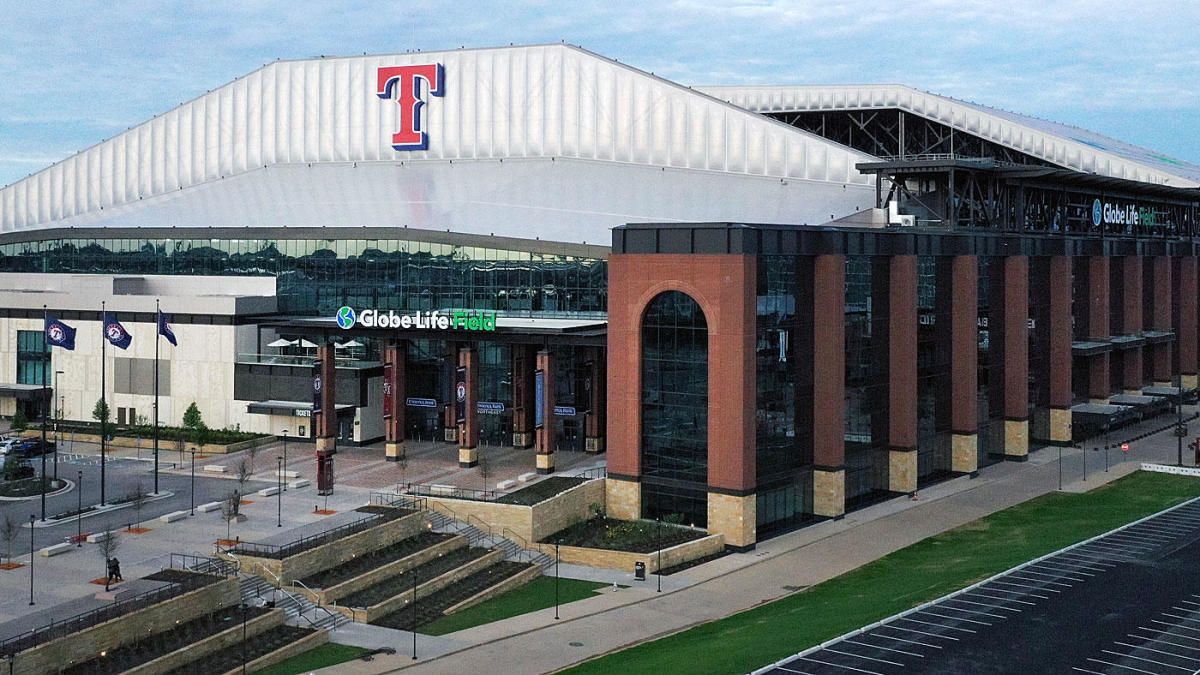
(281, 551)
(432, 490)
(316, 603)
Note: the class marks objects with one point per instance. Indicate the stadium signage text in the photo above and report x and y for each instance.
(403, 83)
(1107, 213)
(347, 318)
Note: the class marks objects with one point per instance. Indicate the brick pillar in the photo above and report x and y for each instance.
(1060, 349)
(1131, 322)
(964, 363)
(596, 422)
(1185, 329)
(1098, 328)
(1016, 357)
(393, 408)
(449, 423)
(1162, 320)
(544, 443)
(325, 426)
(524, 360)
(829, 385)
(468, 430)
(902, 373)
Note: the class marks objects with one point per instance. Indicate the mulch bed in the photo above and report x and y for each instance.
(324, 512)
(138, 530)
(10, 566)
(101, 580)
(633, 536)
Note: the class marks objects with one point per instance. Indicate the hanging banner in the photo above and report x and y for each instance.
(413, 402)
(387, 391)
(539, 398)
(460, 394)
(324, 473)
(316, 388)
(490, 407)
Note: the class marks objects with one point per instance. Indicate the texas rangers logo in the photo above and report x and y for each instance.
(461, 391)
(317, 383)
(56, 333)
(114, 332)
(408, 79)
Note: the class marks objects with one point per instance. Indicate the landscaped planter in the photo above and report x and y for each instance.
(369, 614)
(326, 596)
(625, 561)
(147, 443)
(527, 522)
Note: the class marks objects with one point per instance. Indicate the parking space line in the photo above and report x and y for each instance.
(1173, 644)
(994, 597)
(793, 670)
(981, 604)
(865, 658)
(875, 633)
(928, 623)
(955, 618)
(1045, 597)
(835, 665)
(1141, 658)
(1085, 670)
(1173, 625)
(1043, 574)
(1189, 602)
(1117, 665)
(1064, 573)
(1159, 651)
(1181, 618)
(1185, 609)
(886, 649)
(1088, 564)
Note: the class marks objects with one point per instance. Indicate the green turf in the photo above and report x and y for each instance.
(919, 573)
(535, 595)
(328, 654)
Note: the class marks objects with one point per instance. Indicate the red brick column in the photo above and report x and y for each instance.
(544, 443)
(1185, 331)
(902, 373)
(468, 431)
(964, 363)
(1098, 328)
(1131, 324)
(523, 362)
(449, 421)
(393, 414)
(829, 385)
(325, 426)
(596, 421)
(1162, 319)
(1060, 348)
(1016, 357)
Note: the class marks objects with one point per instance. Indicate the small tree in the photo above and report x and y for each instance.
(107, 546)
(485, 469)
(10, 529)
(230, 506)
(243, 475)
(19, 421)
(137, 497)
(101, 414)
(252, 452)
(402, 464)
(191, 417)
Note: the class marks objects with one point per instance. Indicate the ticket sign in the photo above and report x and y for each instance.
(1124, 447)
(539, 398)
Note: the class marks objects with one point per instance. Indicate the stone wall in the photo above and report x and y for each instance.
(300, 646)
(519, 579)
(530, 523)
(86, 644)
(333, 593)
(625, 561)
(212, 644)
(369, 614)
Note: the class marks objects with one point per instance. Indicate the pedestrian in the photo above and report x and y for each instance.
(110, 574)
(116, 565)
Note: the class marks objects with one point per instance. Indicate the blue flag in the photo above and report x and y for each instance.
(164, 329)
(59, 334)
(115, 333)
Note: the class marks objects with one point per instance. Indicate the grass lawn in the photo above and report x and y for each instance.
(919, 573)
(537, 594)
(328, 654)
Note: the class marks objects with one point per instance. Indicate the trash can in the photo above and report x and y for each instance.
(639, 571)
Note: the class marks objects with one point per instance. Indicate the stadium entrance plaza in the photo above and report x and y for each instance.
(611, 620)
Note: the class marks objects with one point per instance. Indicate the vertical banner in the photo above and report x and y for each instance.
(316, 388)
(388, 374)
(460, 394)
(324, 473)
(539, 398)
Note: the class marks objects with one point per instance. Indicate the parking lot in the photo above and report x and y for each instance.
(1125, 602)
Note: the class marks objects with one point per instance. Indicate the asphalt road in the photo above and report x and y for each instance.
(1128, 602)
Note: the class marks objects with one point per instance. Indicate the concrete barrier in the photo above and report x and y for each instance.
(505, 484)
(210, 506)
(215, 468)
(287, 474)
(173, 516)
(526, 477)
(56, 549)
(269, 492)
(299, 483)
(97, 537)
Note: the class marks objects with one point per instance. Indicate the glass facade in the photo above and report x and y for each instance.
(1039, 349)
(675, 409)
(33, 358)
(866, 379)
(933, 367)
(316, 276)
(990, 382)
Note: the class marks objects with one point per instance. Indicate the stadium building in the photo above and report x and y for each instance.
(767, 305)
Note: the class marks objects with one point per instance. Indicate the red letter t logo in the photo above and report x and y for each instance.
(411, 135)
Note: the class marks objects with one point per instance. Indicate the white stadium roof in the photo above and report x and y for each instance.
(1061, 144)
(549, 141)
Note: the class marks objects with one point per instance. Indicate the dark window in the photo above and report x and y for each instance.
(675, 407)
(33, 357)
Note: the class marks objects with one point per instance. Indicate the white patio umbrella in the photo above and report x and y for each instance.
(281, 343)
(306, 344)
(351, 343)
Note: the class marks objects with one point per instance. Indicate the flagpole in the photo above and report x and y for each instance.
(45, 317)
(103, 399)
(157, 324)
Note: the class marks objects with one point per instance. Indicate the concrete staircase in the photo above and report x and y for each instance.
(300, 610)
(487, 539)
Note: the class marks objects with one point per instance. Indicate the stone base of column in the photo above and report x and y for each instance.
(964, 453)
(545, 463)
(622, 499)
(1190, 381)
(450, 434)
(902, 469)
(1133, 392)
(468, 457)
(829, 492)
(1060, 425)
(1098, 401)
(326, 444)
(1163, 383)
(394, 452)
(1016, 440)
(735, 518)
(523, 439)
(593, 444)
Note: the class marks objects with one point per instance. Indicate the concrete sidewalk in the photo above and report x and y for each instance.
(535, 643)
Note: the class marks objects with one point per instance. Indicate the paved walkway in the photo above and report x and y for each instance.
(536, 643)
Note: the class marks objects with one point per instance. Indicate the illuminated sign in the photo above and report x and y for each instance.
(347, 318)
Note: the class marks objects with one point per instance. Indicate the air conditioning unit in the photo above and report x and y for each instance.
(908, 221)
(896, 218)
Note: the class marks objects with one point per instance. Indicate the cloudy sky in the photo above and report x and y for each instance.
(74, 73)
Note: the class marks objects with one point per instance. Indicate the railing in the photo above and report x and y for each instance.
(333, 615)
(281, 551)
(398, 501)
(90, 618)
(428, 490)
(194, 562)
(599, 472)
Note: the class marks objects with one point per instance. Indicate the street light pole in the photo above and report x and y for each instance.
(658, 571)
(31, 559)
(279, 492)
(556, 580)
(243, 637)
(57, 419)
(193, 508)
(285, 433)
(414, 614)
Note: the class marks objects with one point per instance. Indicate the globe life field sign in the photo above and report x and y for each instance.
(348, 318)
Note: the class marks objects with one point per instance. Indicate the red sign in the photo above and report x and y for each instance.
(407, 80)
(387, 390)
(1124, 447)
